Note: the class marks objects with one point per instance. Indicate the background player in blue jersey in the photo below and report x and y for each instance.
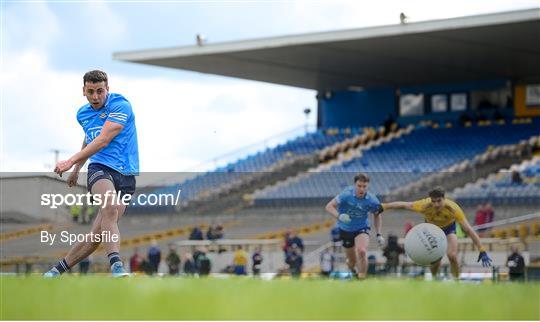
(352, 208)
(110, 142)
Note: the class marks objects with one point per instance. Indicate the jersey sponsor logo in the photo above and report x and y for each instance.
(103, 115)
(93, 132)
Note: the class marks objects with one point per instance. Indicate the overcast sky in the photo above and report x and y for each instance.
(183, 118)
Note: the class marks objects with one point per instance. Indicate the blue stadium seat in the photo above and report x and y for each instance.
(403, 160)
(501, 189)
(303, 145)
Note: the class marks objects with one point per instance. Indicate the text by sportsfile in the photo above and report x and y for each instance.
(70, 238)
(54, 200)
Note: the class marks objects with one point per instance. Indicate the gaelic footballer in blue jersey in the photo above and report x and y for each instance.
(352, 208)
(110, 142)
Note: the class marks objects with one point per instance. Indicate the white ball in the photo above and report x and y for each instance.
(425, 244)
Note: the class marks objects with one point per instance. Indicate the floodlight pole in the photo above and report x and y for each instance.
(56, 155)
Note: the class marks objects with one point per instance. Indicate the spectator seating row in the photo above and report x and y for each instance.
(399, 161)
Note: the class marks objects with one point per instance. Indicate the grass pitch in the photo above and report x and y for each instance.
(137, 298)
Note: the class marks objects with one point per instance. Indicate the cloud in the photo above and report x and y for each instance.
(180, 123)
(95, 23)
(184, 121)
(29, 25)
(38, 106)
(309, 15)
(106, 24)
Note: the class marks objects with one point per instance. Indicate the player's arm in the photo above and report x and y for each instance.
(398, 205)
(467, 228)
(81, 163)
(331, 208)
(486, 261)
(74, 176)
(109, 131)
(376, 210)
(377, 223)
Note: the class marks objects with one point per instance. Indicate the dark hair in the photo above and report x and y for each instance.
(95, 76)
(437, 192)
(362, 177)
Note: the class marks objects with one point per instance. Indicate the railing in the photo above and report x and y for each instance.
(232, 244)
(504, 222)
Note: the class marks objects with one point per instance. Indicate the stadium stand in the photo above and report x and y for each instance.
(18, 233)
(459, 174)
(522, 231)
(499, 188)
(304, 145)
(399, 161)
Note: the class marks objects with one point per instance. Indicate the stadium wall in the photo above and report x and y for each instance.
(371, 107)
(22, 196)
(449, 89)
(356, 108)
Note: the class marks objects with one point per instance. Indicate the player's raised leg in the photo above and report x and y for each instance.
(79, 251)
(362, 243)
(83, 249)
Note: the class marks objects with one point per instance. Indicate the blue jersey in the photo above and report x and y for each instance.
(357, 208)
(122, 153)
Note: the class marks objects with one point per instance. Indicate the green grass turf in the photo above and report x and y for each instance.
(136, 298)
